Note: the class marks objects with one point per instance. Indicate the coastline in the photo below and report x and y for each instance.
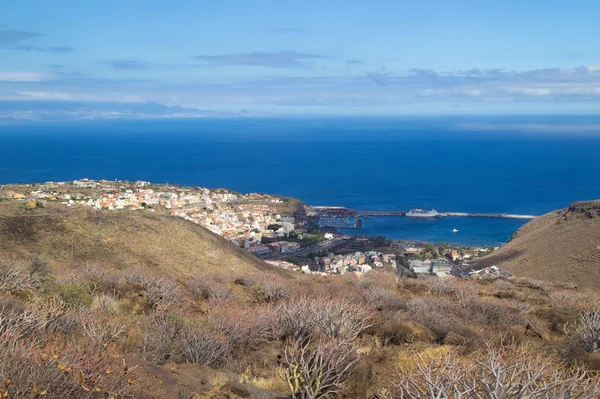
(273, 228)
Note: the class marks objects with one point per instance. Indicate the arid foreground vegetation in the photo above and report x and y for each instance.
(98, 332)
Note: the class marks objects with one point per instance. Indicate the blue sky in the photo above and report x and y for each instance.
(329, 57)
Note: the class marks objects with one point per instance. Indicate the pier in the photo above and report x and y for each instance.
(340, 211)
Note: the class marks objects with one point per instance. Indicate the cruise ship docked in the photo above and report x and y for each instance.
(421, 213)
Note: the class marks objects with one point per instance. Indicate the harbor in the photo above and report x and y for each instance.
(338, 216)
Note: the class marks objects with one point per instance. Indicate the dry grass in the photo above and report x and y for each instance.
(238, 324)
(123, 240)
(561, 246)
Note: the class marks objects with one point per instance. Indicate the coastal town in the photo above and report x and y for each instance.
(280, 230)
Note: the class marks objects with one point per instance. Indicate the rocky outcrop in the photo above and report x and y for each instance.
(583, 210)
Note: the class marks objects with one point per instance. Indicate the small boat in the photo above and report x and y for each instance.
(454, 230)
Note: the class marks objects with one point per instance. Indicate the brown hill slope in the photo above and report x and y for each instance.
(123, 239)
(561, 246)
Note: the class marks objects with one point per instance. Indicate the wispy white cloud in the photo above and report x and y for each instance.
(20, 76)
(379, 88)
(14, 39)
(281, 59)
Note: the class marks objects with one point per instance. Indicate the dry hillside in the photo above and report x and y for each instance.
(191, 316)
(562, 246)
(125, 240)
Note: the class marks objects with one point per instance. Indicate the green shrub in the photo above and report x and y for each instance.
(74, 294)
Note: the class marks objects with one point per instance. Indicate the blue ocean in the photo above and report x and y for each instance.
(521, 165)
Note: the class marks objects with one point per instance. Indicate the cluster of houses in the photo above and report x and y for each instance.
(489, 272)
(355, 261)
(465, 255)
(257, 248)
(440, 267)
(241, 219)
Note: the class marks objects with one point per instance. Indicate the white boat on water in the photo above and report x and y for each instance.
(420, 213)
(454, 230)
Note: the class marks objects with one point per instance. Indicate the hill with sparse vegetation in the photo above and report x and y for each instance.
(562, 246)
(122, 304)
(144, 241)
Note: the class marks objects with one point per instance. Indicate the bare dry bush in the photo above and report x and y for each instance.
(38, 265)
(587, 330)
(36, 318)
(494, 314)
(217, 292)
(394, 329)
(65, 324)
(442, 286)
(161, 339)
(414, 286)
(383, 299)
(568, 297)
(105, 303)
(103, 279)
(105, 331)
(16, 277)
(318, 368)
(244, 328)
(534, 284)
(501, 373)
(503, 284)
(56, 372)
(161, 292)
(440, 315)
(269, 292)
(296, 319)
(199, 345)
(275, 292)
(342, 320)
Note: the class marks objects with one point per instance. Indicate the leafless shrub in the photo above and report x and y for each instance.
(316, 369)
(102, 279)
(394, 329)
(36, 318)
(296, 319)
(494, 314)
(65, 324)
(342, 320)
(161, 338)
(244, 329)
(246, 282)
(503, 284)
(440, 315)
(134, 278)
(587, 330)
(568, 296)
(161, 292)
(16, 277)
(105, 303)
(106, 331)
(275, 292)
(498, 374)
(56, 372)
(11, 326)
(441, 286)
(533, 284)
(464, 297)
(38, 266)
(211, 290)
(383, 299)
(204, 347)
